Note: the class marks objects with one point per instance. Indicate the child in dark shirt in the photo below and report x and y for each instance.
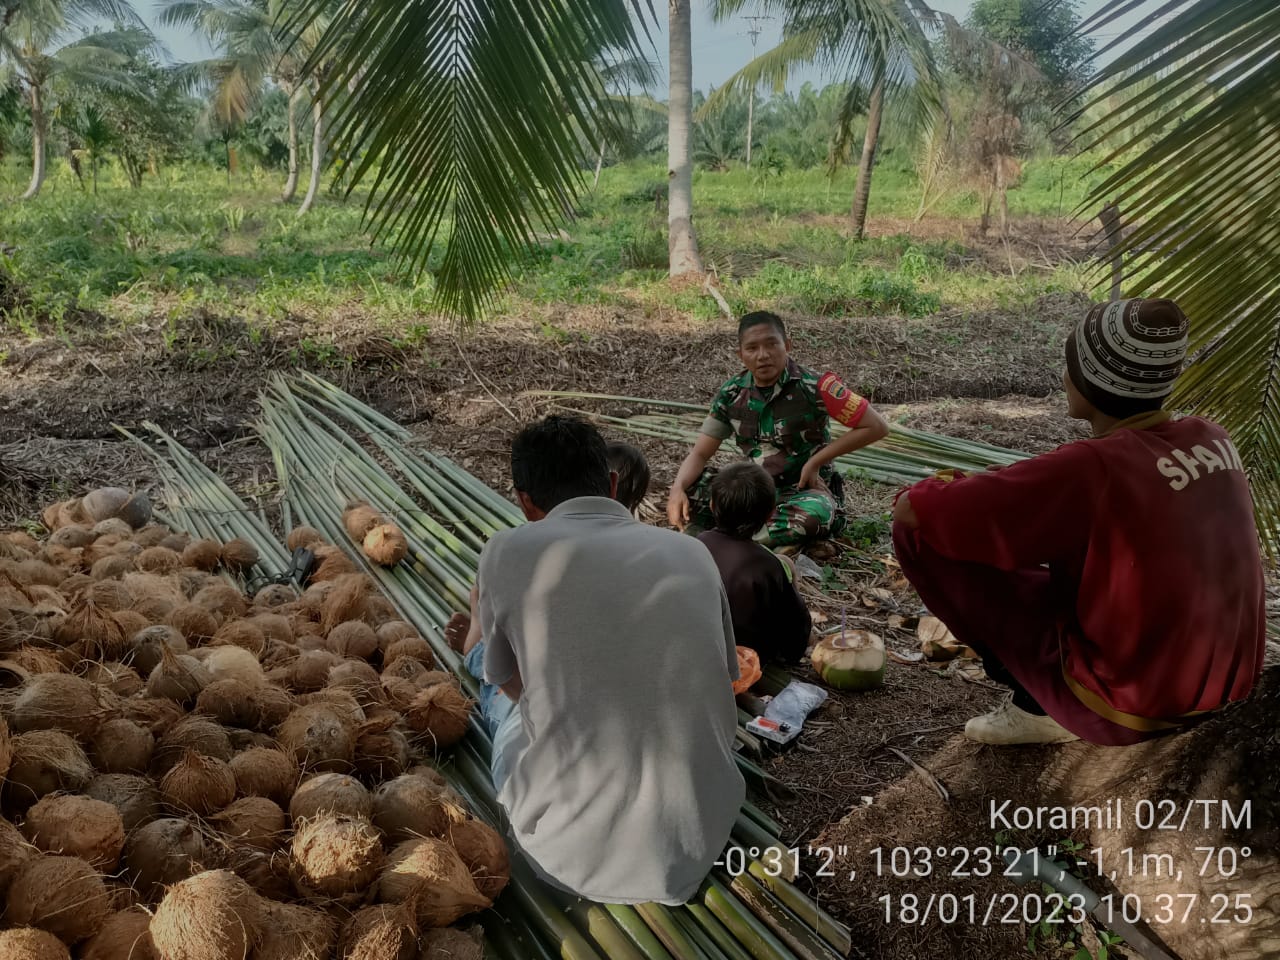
(768, 614)
(632, 468)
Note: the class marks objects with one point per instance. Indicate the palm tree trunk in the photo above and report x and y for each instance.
(751, 116)
(682, 244)
(599, 166)
(37, 142)
(93, 165)
(317, 152)
(862, 190)
(291, 185)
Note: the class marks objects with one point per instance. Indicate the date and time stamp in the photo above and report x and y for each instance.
(1199, 884)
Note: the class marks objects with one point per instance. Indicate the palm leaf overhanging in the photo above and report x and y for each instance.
(464, 119)
(1199, 182)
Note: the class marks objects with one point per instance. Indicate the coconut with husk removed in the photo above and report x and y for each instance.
(252, 821)
(196, 623)
(136, 511)
(239, 556)
(159, 560)
(410, 648)
(310, 670)
(335, 858)
(393, 630)
(429, 873)
(319, 737)
(409, 807)
(120, 679)
(850, 660)
(303, 536)
(104, 503)
(135, 798)
(241, 633)
(382, 751)
(122, 746)
(125, 935)
(359, 518)
(354, 638)
(360, 680)
(202, 555)
(179, 678)
(386, 545)
(44, 761)
(221, 599)
(211, 916)
(78, 827)
(234, 663)
(201, 785)
(15, 852)
(449, 943)
(30, 943)
(293, 932)
(258, 707)
(381, 932)
(264, 772)
(58, 701)
(334, 793)
(484, 852)
(191, 733)
(63, 895)
(440, 713)
(165, 852)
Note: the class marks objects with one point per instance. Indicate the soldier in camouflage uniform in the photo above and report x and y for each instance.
(778, 413)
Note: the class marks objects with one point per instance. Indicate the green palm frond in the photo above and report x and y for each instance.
(464, 120)
(1198, 181)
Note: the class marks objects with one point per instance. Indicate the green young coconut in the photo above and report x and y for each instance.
(850, 660)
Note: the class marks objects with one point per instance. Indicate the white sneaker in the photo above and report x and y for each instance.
(1007, 725)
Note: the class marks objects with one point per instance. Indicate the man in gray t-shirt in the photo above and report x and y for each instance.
(612, 644)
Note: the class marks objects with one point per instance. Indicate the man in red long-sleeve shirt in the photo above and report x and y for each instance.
(1116, 583)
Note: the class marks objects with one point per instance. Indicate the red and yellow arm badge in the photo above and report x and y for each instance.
(842, 404)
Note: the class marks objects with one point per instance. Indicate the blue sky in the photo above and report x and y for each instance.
(719, 49)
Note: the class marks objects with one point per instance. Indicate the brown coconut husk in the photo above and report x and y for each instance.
(353, 639)
(378, 610)
(359, 518)
(109, 596)
(239, 556)
(393, 630)
(440, 713)
(449, 943)
(233, 703)
(382, 752)
(134, 797)
(273, 627)
(386, 545)
(29, 943)
(177, 541)
(312, 639)
(150, 534)
(241, 633)
(428, 873)
(221, 599)
(413, 670)
(29, 660)
(211, 916)
(264, 772)
(331, 563)
(196, 623)
(310, 671)
(131, 623)
(400, 692)
(484, 852)
(146, 645)
(293, 932)
(78, 827)
(44, 761)
(335, 858)
(274, 595)
(344, 601)
(122, 746)
(410, 648)
(234, 663)
(58, 701)
(319, 736)
(341, 700)
(334, 793)
(155, 713)
(6, 748)
(69, 558)
(154, 609)
(118, 678)
(15, 851)
(303, 536)
(21, 538)
(160, 560)
(112, 527)
(202, 555)
(252, 821)
(125, 935)
(178, 678)
(266, 872)
(63, 895)
(164, 852)
(409, 807)
(93, 631)
(196, 734)
(72, 536)
(381, 932)
(360, 680)
(199, 785)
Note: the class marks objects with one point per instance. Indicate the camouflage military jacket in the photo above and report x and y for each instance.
(782, 426)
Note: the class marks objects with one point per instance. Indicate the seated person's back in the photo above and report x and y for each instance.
(622, 785)
(768, 614)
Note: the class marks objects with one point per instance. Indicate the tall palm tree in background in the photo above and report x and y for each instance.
(682, 243)
(1199, 184)
(33, 55)
(875, 47)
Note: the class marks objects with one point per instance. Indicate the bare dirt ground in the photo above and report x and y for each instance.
(856, 773)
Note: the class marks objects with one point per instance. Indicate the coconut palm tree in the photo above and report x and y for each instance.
(682, 243)
(33, 54)
(1198, 184)
(875, 47)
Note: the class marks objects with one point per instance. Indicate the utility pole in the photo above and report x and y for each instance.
(754, 32)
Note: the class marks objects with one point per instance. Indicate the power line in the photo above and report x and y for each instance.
(754, 32)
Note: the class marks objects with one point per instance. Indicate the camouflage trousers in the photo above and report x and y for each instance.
(800, 516)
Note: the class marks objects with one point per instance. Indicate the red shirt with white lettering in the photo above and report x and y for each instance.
(1150, 540)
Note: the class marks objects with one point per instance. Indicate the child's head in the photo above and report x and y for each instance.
(633, 474)
(742, 499)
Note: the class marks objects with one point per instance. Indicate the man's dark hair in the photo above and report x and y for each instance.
(557, 459)
(742, 499)
(632, 468)
(759, 317)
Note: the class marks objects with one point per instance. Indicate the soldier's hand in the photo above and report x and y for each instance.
(678, 508)
(810, 479)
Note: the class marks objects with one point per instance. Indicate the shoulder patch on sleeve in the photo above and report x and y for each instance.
(843, 405)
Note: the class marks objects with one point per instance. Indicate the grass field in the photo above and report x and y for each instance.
(189, 240)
